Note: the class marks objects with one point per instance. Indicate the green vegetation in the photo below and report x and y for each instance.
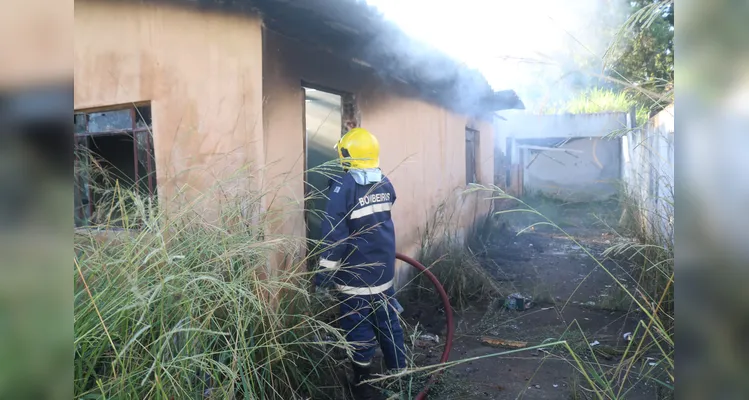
(453, 262)
(641, 59)
(638, 66)
(606, 100)
(643, 241)
(649, 356)
(186, 306)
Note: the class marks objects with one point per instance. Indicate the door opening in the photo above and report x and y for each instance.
(323, 126)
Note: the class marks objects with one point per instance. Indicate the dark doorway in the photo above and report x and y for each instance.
(323, 128)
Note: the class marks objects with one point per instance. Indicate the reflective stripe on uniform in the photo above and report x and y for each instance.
(370, 209)
(329, 264)
(363, 291)
(363, 364)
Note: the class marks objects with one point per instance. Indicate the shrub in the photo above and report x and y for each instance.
(652, 299)
(183, 307)
(450, 258)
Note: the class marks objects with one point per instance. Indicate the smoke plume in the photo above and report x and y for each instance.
(545, 50)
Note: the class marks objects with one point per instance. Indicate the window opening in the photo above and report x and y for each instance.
(113, 147)
(472, 143)
(324, 126)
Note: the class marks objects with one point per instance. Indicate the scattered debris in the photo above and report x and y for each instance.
(426, 341)
(429, 337)
(496, 342)
(518, 302)
(555, 278)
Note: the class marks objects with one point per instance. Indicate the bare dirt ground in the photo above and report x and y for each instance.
(574, 299)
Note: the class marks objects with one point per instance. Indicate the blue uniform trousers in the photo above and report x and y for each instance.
(369, 320)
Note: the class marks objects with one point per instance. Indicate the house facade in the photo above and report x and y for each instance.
(202, 93)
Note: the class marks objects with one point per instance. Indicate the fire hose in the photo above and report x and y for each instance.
(448, 316)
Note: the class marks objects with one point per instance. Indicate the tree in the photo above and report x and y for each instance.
(641, 59)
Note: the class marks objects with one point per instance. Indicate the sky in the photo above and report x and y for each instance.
(521, 45)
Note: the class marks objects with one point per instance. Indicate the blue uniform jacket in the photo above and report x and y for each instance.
(359, 236)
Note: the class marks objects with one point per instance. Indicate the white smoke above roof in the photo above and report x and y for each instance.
(536, 47)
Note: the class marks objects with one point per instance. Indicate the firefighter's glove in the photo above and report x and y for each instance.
(324, 286)
(324, 295)
(325, 273)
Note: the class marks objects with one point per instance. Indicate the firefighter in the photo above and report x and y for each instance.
(359, 260)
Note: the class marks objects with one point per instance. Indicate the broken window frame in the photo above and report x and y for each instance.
(472, 150)
(142, 137)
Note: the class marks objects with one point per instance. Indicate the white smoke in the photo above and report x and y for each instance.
(545, 50)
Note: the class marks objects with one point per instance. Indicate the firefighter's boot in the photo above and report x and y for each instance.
(364, 391)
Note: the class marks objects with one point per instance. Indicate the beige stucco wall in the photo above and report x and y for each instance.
(202, 73)
(227, 94)
(422, 145)
(36, 41)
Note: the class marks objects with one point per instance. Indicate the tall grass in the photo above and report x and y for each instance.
(450, 257)
(189, 305)
(646, 239)
(597, 100)
(651, 300)
(185, 306)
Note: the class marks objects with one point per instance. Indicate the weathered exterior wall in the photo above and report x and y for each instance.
(226, 94)
(590, 171)
(521, 125)
(36, 37)
(422, 145)
(201, 72)
(648, 170)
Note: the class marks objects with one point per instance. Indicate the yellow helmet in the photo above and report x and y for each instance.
(359, 149)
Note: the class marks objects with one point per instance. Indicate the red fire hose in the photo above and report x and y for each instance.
(448, 316)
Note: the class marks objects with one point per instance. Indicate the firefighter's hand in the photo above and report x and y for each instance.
(323, 294)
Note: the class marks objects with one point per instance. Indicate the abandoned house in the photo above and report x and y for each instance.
(178, 95)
